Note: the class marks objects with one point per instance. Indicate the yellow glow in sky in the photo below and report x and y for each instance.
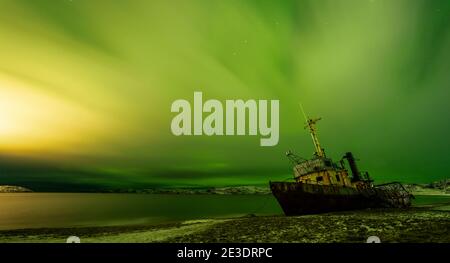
(32, 120)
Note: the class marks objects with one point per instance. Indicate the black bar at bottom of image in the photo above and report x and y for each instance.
(227, 252)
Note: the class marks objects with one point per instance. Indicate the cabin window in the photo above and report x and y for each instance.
(319, 178)
(338, 178)
(328, 163)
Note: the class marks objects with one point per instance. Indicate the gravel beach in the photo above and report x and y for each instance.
(418, 225)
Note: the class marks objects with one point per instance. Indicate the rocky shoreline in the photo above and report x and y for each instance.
(415, 225)
(391, 226)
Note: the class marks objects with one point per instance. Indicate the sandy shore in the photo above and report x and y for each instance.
(421, 224)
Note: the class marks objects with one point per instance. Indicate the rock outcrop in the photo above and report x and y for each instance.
(13, 189)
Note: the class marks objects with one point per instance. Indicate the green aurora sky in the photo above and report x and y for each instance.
(86, 88)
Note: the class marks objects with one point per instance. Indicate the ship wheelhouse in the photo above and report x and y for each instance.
(321, 170)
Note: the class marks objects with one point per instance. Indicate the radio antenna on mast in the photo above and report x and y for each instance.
(311, 125)
(303, 111)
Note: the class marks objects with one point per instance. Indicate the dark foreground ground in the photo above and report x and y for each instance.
(423, 224)
(415, 225)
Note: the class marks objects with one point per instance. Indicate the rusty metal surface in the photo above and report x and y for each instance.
(393, 195)
(299, 198)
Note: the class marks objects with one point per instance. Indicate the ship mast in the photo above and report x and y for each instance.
(311, 125)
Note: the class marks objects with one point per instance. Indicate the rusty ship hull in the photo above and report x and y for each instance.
(301, 199)
(321, 185)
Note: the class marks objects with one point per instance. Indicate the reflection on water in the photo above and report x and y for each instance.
(37, 210)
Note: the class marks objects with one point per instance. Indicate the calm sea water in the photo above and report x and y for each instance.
(37, 210)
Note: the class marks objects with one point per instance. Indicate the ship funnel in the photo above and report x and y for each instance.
(351, 161)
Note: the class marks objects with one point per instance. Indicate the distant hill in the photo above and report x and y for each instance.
(435, 188)
(232, 190)
(13, 189)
